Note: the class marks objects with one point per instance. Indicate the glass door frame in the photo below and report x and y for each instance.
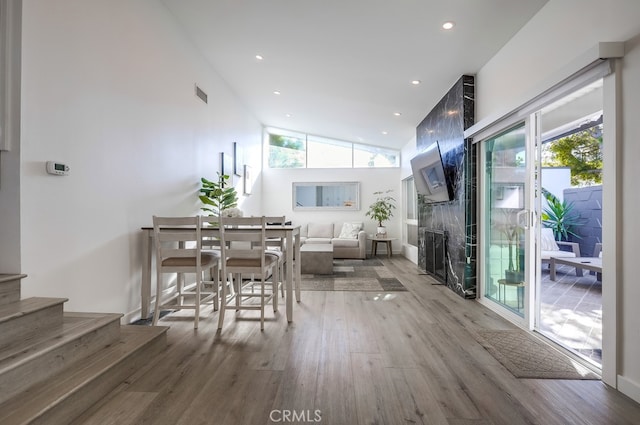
(534, 143)
(528, 221)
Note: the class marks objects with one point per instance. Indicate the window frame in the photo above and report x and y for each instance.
(306, 138)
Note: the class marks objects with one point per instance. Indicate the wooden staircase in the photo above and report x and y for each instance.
(54, 364)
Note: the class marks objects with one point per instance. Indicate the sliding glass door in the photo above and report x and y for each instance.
(542, 227)
(569, 307)
(506, 220)
(541, 180)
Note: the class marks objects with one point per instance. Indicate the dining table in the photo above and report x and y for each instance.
(290, 233)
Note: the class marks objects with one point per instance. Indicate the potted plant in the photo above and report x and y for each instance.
(382, 210)
(558, 215)
(216, 196)
(510, 229)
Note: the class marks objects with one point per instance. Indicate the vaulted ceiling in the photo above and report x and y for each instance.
(345, 68)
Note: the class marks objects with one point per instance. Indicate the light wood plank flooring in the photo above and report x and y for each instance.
(352, 358)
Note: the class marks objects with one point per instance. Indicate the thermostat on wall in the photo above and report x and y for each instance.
(57, 168)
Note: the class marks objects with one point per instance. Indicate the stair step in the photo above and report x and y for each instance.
(65, 395)
(29, 360)
(24, 318)
(10, 288)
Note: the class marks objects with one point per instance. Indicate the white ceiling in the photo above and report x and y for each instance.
(344, 67)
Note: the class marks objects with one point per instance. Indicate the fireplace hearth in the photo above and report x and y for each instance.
(434, 247)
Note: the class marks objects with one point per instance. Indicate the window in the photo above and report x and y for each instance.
(286, 151)
(410, 219)
(325, 153)
(371, 156)
(289, 149)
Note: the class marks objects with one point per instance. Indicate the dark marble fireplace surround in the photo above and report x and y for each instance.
(445, 125)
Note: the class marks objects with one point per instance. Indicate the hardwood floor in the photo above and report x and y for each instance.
(351, 358)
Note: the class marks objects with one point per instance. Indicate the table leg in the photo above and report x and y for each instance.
(520, 295)
(145, 286)
(289, 279)
(298, 265)
(552, 269)
(389, 249)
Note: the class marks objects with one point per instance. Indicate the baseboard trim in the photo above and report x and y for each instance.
(130, 317)
(629, 388)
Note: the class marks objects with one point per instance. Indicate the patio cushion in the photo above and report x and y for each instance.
(547, 241)
(545, 255)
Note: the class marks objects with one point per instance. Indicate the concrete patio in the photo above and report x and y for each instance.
(571, 311)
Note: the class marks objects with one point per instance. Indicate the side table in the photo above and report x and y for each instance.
(374, 244)
(503, 283)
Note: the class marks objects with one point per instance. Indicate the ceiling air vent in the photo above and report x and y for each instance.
(201, 94)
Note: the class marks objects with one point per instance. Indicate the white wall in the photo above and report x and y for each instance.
(561, 32)
(108, 88)
(409, 150)
(277, 196)
(556, 180)
(629, 200)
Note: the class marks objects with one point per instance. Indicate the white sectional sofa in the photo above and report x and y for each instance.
(349, 240)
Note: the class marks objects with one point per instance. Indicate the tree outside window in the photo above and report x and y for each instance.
(581, 152)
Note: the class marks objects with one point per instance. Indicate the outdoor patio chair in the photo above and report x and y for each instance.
(550, 247)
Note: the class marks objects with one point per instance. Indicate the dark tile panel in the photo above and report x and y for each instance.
(445, 125)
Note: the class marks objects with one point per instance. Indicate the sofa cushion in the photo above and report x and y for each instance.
(350, 230)
(344, 243)
(320, 230)
(318, 240)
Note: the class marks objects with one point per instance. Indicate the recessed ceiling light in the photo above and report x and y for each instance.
(416, 82)
(276, 92)
(288, 115)
(259, 57)
(397, 114)
(385, 133)
(448, 25)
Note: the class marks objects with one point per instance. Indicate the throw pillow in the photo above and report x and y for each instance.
(350, 230)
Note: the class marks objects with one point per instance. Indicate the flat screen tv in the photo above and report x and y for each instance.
(429, 176)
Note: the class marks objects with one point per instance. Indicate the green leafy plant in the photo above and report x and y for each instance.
(559, 216)
(216, 196)
(382, 209)
(581, 151)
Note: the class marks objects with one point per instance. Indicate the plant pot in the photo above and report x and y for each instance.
(514, 276)
(381, 231)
